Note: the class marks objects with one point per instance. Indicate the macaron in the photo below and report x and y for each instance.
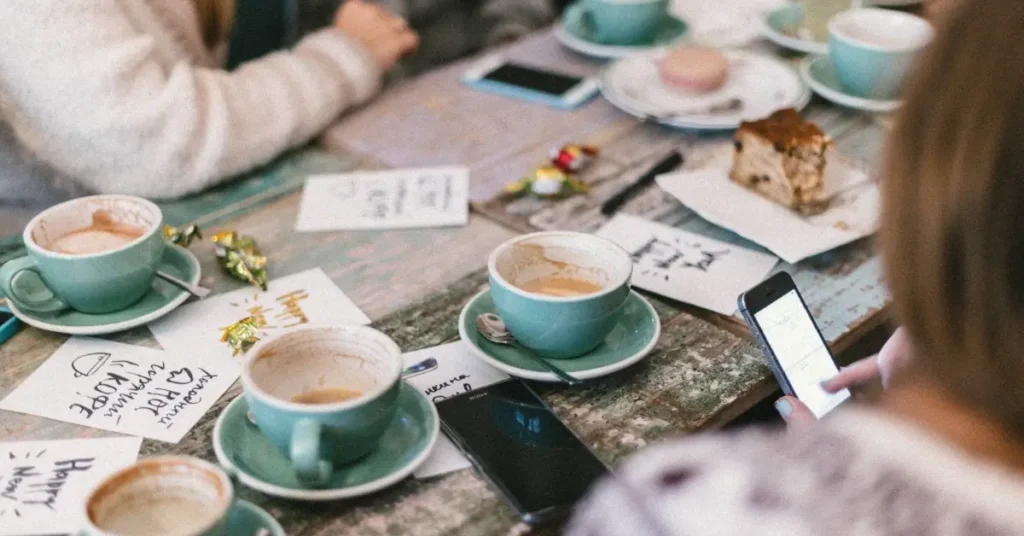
(694, 69)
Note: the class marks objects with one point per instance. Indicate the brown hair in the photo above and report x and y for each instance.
(216, 18)
(953, 210)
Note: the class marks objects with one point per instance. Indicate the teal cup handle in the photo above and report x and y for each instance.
(9, 273)
(305, 453)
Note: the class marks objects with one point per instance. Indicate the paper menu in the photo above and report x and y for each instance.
(852, 214)
(43, 484)
(457, 371)
(123, 388)
(401, 198)
(686, 266)
(308, 297)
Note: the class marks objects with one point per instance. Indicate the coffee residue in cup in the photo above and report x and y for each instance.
(562, 287)
(326, 395)
(104, 234)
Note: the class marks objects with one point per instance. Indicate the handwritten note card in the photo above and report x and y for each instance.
(686, 266)
(457, 372)
(433, 197)
(123, 388)
(44, 483)
(308, 297)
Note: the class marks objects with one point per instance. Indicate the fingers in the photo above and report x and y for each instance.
(794, 412)
(860, 372)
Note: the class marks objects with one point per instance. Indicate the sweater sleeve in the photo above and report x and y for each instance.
(97, 98)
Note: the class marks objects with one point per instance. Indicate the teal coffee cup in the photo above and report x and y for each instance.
(560, 293)
(160, 496)
(95, 254)
(618, 22)
(874, 49)
(323, 395)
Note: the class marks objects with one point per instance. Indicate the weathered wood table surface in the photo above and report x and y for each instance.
(413, 283)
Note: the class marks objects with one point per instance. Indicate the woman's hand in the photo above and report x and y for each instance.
(387, 36)
(893, 357)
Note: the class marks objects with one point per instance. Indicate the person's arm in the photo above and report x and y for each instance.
(89, 93)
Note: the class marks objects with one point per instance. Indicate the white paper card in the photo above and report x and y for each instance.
(685, 266)
(43, 484)
(457, 372)
(308, 297)
(123, 388)
(852, 213)
(404, 198)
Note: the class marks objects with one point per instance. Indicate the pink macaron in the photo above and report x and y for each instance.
(694, 69)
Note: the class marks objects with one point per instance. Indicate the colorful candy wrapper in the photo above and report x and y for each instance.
(557, 179)
(241, 335)
(182, 236)
(241, 258)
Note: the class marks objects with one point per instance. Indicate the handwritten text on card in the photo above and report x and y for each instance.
(123, 388)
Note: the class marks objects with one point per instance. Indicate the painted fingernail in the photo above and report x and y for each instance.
(783, 407)
(825, 383)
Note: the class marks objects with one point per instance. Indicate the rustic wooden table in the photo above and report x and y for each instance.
(703, 373)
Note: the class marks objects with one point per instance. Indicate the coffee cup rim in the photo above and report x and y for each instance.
(221, 473)
(31, 244)
(492, 267)
(394, 375)
(837, 33)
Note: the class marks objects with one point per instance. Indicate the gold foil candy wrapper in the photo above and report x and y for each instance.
(241, 258)
(182, 236)
(241, 335)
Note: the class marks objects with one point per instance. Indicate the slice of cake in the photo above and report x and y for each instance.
(783, 158)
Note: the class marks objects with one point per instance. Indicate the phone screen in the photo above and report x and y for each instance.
(521, 446)
(800, 351)
(535, 79)
(4, 317)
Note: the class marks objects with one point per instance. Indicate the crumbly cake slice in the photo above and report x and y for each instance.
(782, 158)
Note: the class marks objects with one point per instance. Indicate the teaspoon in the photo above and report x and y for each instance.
(493, 328)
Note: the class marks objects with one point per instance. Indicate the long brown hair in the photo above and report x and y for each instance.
(216, 17)
(953, 210)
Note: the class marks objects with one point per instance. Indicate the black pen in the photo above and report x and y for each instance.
(669, 163)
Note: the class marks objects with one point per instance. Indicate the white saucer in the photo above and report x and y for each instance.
(818, 73)
(759, 83)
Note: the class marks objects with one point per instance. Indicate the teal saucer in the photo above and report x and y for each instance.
(257, 463)
(162, 299)
(820, 75)
(576, 36)
(630, 341)
(247, 518)
(781, 26)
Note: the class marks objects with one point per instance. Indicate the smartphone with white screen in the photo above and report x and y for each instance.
(560, 90)
(789, 338)
(520, 446)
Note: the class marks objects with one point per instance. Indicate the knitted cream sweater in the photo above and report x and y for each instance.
(123, 96)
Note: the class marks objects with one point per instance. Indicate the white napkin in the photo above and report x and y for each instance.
(852, 213)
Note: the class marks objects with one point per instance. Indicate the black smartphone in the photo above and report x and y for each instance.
(792, 342)
(513, 438)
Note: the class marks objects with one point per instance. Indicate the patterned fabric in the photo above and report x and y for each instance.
(857, 473)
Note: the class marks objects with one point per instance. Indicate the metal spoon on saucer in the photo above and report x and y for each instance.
(195, 290)
(492, 327)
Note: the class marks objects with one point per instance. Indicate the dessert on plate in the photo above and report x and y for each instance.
(782, 157)
(694, 69)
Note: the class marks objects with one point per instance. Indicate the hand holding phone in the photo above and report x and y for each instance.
(796, 351)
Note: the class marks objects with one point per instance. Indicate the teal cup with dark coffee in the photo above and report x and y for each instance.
(96, 254)
(323, 395)
(618, 22)
(560, 293)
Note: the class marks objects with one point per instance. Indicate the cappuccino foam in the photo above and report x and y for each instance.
(104, 234)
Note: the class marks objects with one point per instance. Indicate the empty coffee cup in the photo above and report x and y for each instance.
(618, 22)
(323, 395)
(873, 50)
(560, 293)
(160, 496)
(95, 254)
